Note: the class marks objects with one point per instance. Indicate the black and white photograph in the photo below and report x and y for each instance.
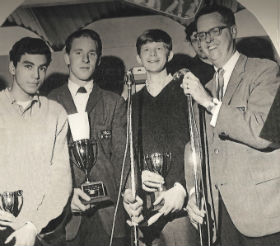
(139, 123)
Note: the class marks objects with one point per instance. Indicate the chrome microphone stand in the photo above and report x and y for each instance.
(129, 82)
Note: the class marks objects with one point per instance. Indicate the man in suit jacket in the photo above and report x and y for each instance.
(92, 224)
(243, 172)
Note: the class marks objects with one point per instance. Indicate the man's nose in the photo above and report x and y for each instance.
(36, 73)
(153, 52)
(208, 38)
(85, 58)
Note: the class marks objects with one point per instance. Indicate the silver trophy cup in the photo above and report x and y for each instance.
(83, 154)
(160, 164)
(12, 201)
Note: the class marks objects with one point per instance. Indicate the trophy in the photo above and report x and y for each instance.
(160, 164)
(83, 154)
(12, 201)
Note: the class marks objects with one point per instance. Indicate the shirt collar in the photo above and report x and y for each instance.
(35, 98)
(230, 64)
(73, 87)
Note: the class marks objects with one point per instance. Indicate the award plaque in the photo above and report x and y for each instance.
(83, 154)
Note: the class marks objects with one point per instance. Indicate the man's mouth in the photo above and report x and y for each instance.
(153, 61)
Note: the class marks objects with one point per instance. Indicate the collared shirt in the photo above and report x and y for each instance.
(80, 99)
(228, 68)
(25, 109)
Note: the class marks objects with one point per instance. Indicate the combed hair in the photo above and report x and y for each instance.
(226, 13)
(28, 45)
(189, 30)
(84, 33)
(153, 35)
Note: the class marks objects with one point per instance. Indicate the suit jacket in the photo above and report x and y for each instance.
(107, 118)
(242, 168)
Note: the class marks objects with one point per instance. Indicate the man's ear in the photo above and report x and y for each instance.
(12, 68)
(66, 59)
(139, 60)
(99, 60)
(170, 56)
(234, 31)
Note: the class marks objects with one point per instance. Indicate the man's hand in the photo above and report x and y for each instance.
(133, 207)
(9, 220)
(77, 204)
(191, 85)
(195, 214)
(173, 200)
(24, 236)
(151, 181)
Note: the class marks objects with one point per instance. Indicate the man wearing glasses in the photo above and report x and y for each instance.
(243, 170)
(200, 66)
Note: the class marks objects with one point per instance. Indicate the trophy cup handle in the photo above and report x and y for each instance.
(20, 200)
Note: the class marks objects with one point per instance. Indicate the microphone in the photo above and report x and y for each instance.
(180, 74)
(129, 78)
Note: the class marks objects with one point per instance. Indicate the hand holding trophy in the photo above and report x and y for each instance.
(158, 163)
(83, 153)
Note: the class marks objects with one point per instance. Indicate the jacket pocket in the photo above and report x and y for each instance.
(268, 192)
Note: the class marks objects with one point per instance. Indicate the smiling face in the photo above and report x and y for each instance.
(28, 75)
(220, 48)
(154, 56)
(82, 59)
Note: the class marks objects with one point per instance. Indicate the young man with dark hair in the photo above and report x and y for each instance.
(160, 126)
(34, 153)
(92, 225)
(199, 65)
(243, 170)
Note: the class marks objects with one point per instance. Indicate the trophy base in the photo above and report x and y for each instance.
(96, 191)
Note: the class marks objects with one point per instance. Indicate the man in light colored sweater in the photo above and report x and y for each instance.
(33, 151)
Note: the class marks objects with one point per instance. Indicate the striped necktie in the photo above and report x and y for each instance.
(220, 84)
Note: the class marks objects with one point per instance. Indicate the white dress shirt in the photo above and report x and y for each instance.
(80, 99)
(228, 68)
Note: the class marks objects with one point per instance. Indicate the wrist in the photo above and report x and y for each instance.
(211, 104)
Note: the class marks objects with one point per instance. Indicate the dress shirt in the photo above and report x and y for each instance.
(80, 99)
(228, 68)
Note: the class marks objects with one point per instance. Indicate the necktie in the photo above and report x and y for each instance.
(220, 84)
(82, 90)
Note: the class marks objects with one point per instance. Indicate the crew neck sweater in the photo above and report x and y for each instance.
(160, 124)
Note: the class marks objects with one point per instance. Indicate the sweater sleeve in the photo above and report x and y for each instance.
(60, 183)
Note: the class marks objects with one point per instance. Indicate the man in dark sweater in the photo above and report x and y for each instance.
(160, 126)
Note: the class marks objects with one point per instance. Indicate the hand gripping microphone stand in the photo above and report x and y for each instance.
(196, 158)
(129, 82)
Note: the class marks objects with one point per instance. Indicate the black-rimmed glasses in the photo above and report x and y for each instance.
(213, 32)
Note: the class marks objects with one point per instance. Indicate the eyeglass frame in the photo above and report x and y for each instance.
(194, 38)
(210, 32)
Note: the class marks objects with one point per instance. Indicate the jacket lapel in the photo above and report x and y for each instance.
(65, 98)
(235, 78)
(94, 97)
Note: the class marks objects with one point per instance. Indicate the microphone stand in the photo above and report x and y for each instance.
(129, 78)
(196, 156)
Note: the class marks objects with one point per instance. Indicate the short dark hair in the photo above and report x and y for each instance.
(226, 13)
(35, 46)
(153, 35)
(189, 30)
(84, 33)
